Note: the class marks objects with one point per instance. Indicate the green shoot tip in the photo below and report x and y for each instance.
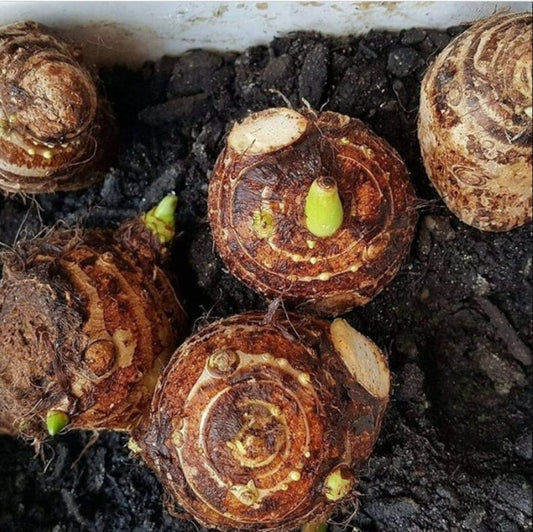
(56, 421)
(161, 219)
(323, 208)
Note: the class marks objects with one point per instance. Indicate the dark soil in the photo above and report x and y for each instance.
(456, 447)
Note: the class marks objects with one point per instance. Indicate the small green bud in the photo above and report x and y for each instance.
(338, 483)
(323, 207)
(56, 421)
(161, 219)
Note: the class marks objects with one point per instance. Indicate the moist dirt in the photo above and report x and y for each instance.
(456, 447)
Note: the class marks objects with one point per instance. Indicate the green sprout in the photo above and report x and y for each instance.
(323, 208)
(161, 219)
(338, 483)
(56, 421)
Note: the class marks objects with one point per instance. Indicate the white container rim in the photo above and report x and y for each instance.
(132, 32)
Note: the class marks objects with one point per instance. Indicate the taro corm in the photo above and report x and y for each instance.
(87, 321)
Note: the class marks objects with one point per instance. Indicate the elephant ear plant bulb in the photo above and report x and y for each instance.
(265, 426)
(475, 123)
(55, 129)
(311, 207)
(87, 321)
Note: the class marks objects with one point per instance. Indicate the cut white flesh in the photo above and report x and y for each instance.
(267, 131)
(362, 357)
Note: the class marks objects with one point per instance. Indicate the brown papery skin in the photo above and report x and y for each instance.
(87, 322)
(475, 123)
(337, 272)
(271, 423)
(56, 132)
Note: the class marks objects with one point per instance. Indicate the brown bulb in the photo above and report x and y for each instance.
(311, 207)
(56, 131)
(475, 123)
(57, 100)
(257, 426)
(87, 322)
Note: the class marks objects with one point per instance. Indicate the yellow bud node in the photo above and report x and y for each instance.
(294, 476)
(248, 494)
(178, 439)
(222, 362)
(133, 446)
(263, 223)
(304, 378)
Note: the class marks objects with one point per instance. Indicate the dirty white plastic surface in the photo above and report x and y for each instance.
(131, 32)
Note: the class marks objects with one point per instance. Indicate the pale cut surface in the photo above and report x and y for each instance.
(267, 131)
(362, 357)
